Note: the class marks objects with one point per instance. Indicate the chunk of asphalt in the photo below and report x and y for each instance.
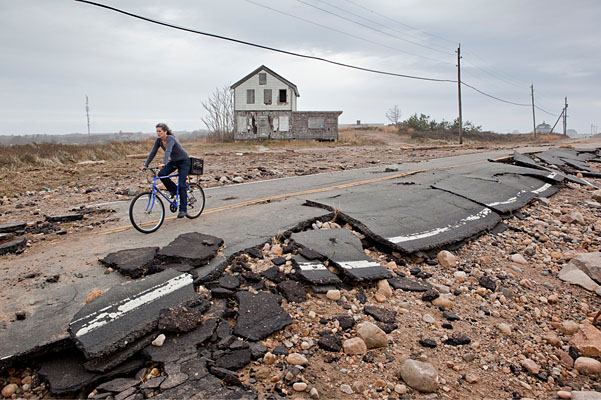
(64, 218)
(209, 387)
(65, 374)
(274, 274)
(118, 385)
(12, 227)
(176, 347)
(192, 248)
(234, 359)
(128, 311)
(314, 272)
(292, 291)
(230, 282)
(259, 315)
(381, 314)
(409, 285)
(257, 350)
(134, 263)
(109, 362)
(458, 340)
(230, 378)
(346, 322)
(180, 319)
(181, 267)
(345, 250)
(12, 246)
(329, 342)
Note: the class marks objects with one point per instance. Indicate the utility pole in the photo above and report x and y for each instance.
(565, 118)
(459, 92)
(88, 114)
(533, 116)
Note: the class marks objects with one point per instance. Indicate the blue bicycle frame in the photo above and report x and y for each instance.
(155, 190)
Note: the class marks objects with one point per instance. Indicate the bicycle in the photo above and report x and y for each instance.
(146, 210)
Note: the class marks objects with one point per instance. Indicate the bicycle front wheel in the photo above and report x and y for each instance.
(196, 200)
(146, 212)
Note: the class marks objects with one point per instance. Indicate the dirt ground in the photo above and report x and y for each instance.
(527, 320)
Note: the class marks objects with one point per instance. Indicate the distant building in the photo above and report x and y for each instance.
(543, 128)
(265, 108)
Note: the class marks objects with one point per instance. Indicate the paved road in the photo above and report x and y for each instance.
(244, 215)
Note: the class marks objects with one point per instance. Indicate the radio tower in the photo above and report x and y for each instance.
(88, 114)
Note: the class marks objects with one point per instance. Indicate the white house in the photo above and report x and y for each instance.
(265, 108)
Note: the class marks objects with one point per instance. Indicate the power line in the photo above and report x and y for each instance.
(298, 54)
(342, 32)
(262, 46)
(399, 22)
(367, 26)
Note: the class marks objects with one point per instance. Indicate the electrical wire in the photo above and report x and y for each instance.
(367, 26)
(262, 46)
(342, 32)
(300, 55)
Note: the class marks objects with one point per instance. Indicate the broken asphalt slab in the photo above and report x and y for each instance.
(134, 263)
(345, 251)
(259, 315)
(128, 311)
(192, 248)
(314, 271)
(409, 217)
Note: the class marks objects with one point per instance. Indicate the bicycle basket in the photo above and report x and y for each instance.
(196, 166)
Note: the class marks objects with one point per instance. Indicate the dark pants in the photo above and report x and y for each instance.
(183, 168)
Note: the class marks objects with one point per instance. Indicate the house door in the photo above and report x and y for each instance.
(263, 127)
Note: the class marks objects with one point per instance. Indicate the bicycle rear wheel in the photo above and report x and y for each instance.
(196, 200)
(146, 212)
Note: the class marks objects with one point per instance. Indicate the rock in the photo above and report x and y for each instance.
(585, 395)
(577, 217)
(504, 328)
(572, 274)
(589, 263)
(531, 366)
(259, 315)
(487, 282)
(519, 259)
(596, 195)
(443, 302)
(93, 294)
(299, 386)
(562, 394)
(471, 378)
(446, 259)
(354, 346)
(588, 341)
(458, 340)
(373, 336)
(159, 341)
(587, 366)
(419, 375)
(333, 294)
(345, 322)
(430, 295)
(296, 359)
(358, 387)
(569, 328)
(269, 358)
(314, 394)
(384, 289)
(9, 390)
(346, 389)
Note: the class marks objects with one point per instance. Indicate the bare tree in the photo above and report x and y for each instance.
(220, 114)
(394, 115)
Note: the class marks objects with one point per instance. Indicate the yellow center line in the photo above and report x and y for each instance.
(305, 192)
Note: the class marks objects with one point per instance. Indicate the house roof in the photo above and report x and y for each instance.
(264, 68)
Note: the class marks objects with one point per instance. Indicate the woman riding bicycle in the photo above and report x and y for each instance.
(175, 158)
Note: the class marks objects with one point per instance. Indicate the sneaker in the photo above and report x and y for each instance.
(181, 214)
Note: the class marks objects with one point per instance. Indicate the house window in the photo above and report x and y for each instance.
(282, 96)
(267, 96)
(262, 78)
(250, 96)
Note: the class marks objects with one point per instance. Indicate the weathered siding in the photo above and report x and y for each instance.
(301, 125)
(272, 83)
(315, 125)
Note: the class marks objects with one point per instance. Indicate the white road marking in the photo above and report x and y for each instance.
(358, 264)
(426, 234)
(105, 316)
(542, 188)
(312, 266)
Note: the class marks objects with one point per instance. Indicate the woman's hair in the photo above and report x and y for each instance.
(165, 128)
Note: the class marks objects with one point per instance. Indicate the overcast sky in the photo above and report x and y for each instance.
(135, 73)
